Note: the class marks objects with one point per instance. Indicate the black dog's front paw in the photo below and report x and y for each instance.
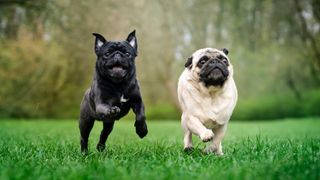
(112, 111)
(104, 112)
(141, 129)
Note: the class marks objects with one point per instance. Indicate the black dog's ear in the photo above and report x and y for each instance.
(189, 63)
(225, 50)
(99, 42)
(132, 40)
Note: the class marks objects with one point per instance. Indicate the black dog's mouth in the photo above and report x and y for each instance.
(117, 67)
(214, 75)
(117, 72)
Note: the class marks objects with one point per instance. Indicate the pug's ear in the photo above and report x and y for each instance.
(189, 63)
(100, 40)
(225, 51)
(132, 40)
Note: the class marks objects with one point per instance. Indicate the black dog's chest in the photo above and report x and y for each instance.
(122, 101)
(124, 105)
(117, 100)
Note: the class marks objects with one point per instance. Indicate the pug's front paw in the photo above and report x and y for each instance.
(207, 136)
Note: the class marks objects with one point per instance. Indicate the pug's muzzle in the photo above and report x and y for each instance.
(214, 73)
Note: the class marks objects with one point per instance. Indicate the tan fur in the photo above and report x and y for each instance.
(206, 111)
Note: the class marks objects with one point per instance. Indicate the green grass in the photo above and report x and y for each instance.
(284, 149)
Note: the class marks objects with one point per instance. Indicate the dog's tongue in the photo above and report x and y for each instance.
(117, 68)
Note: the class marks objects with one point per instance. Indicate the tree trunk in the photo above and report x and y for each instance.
(306, 35)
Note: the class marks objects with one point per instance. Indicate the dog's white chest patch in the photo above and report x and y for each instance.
(122, 99)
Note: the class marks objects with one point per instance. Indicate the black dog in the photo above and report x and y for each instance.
(114, 90)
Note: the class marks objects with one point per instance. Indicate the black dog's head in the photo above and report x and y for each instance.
(115, 59)
(210, 66)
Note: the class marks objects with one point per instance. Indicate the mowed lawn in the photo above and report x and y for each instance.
(279, 149)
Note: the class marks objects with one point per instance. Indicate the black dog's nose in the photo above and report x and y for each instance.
(117, 56)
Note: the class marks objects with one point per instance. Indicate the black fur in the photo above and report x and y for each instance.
(114, 90)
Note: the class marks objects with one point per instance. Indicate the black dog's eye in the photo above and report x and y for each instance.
(106, 55)
(128, 54)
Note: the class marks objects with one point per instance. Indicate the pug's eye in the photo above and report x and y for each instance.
(202, 62)
(225, 61)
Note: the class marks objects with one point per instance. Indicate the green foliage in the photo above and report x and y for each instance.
(162, 111)
(35, 81)
(253, 150)
(276, 106)
(47, 58)
(257, 108)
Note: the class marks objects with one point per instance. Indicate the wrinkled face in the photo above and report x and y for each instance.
(115, 60)
(210, 66)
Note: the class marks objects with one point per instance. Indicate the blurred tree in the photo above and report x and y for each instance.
(47, 57)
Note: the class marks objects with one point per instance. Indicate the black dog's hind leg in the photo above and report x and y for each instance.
(107, 128)
(85, 125)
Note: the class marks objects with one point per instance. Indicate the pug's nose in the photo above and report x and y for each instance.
(215, 61)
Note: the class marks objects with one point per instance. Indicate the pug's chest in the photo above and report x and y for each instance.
(214, 112)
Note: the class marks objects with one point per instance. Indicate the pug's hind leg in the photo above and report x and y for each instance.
(107, 128)
(187, 138)
(215, 146)
(196, 127)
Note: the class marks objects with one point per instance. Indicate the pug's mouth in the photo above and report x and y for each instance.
(216, 73)
(214, 76)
